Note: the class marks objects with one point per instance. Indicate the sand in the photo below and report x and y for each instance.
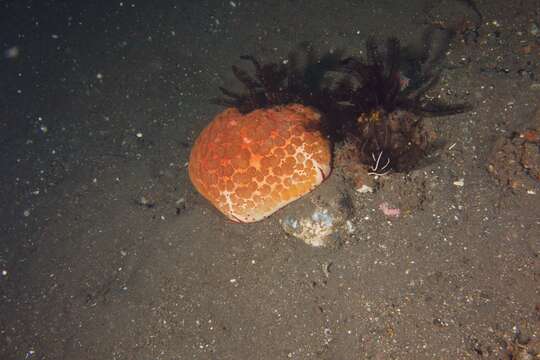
(108, 252)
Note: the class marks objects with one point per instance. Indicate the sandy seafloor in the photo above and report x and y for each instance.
(90, 273)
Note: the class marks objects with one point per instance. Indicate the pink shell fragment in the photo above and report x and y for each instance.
(389, 211)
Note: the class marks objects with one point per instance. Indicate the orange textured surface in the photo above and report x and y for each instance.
(248, 166)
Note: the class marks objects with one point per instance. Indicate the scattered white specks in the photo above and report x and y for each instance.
(139, 135)
(43, 129)
(4, 272)
(459, 183)
(232, 3)
(26, 213)
(531, 192)
(55, 36)
(99, 76)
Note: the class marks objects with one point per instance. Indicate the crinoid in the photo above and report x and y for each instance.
(299, 79)
(273, 143)
(384, 102)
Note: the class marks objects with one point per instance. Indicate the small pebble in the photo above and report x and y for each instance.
(534, 29)
(11, 53)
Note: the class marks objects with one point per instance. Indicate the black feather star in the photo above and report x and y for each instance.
(376, 103)
(281, 83)
(383, 114)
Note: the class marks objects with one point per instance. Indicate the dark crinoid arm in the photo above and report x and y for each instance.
(252, 97)
(267, 87)
(281, 83)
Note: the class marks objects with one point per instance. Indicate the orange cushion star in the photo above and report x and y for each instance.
(249, 166)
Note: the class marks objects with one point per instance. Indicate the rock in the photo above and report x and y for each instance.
(314, 230)
(317, 218)
(534, 30)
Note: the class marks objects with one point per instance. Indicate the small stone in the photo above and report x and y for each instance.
(534, 29)
(314, 230)
(459, 183)
(319, 217)
(364, 189)
(350, 226)
(11, 53)
(363, 182)
(389, 211)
